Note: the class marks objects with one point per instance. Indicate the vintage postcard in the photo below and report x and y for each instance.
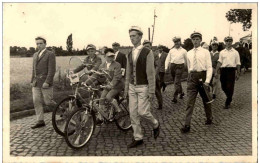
(130, 82)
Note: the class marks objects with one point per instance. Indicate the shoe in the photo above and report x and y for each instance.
(156, 131)
(135, 143)
(38, 125)
(182, 95)
(159, 108)
(163, 87)
(99, 122)
(213, 96)
(226, 106)
(185, 129)
(208, 121)
(174, 100)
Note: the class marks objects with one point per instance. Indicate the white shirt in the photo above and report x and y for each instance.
(108, 64)
(229, 58)
(175, 56)
(116, 54)
(160, 54)
(41, 52)
(136, 51)
(203, 61)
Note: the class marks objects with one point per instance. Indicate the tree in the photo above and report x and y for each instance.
(243, 16)
(187, 44)
(69, 43)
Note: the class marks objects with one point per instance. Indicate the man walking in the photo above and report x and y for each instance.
(140, 86)
(200, 70)
(161, 66)
(229, 64)
(44, 67)
(158, 92)
(215, 77)
(176, 59)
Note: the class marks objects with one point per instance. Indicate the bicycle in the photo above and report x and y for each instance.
(66, 106)
(82, 122)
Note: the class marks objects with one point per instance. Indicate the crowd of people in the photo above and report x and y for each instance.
(141, 74)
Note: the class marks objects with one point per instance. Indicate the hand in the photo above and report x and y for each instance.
(237, 75)
(207, 84)
(108, 86)
(45, 85)
(151, 96)
(125, 94)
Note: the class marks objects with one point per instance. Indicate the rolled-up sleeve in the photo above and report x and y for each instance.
(208, 66)
(150, 72)
(167, 60)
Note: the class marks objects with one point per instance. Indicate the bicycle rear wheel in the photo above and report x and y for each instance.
(79, 128)
(122, 119)
(61, 113)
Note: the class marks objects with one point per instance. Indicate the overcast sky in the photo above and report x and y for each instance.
(104, 23)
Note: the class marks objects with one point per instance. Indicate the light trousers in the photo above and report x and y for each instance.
(139, 106)
(40, 97)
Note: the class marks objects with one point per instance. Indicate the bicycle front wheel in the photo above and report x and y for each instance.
(122, 119)
(79, 128)
(61, 114)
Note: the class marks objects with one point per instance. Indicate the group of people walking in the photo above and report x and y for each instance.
(140, 73)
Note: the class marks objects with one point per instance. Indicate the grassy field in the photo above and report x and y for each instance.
(21, 68)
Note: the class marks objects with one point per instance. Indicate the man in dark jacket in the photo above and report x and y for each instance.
(120, 57)
(158, 92)
(44, 67)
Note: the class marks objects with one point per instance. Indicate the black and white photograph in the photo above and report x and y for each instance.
(130, 82)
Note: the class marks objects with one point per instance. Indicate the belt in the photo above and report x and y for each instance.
(194, 72)
(178, 64)
(140, 85)
(228, 68)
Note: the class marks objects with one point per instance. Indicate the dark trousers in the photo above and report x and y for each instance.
(176, 72)
(227, 79)
(193, 87)
(158, 92)
(161, 75)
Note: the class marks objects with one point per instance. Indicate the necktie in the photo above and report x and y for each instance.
(195, 68)
(39, 54)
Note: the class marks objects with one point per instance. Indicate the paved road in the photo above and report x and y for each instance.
(230, 135)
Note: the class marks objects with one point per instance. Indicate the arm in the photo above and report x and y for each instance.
(167, 60)
(150, 72)
(238, 63)
(185, 59)
(33, 70)
(117, 75)
(208, 67)
(157, 64)
(127, 76)
(51, 68)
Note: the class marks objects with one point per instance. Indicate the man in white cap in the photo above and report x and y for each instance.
(92, 62)
(229, 65)
(44, 68)
(176, 58)
(158, 92)
(200, 70)
(215, 77)
(140, 86)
